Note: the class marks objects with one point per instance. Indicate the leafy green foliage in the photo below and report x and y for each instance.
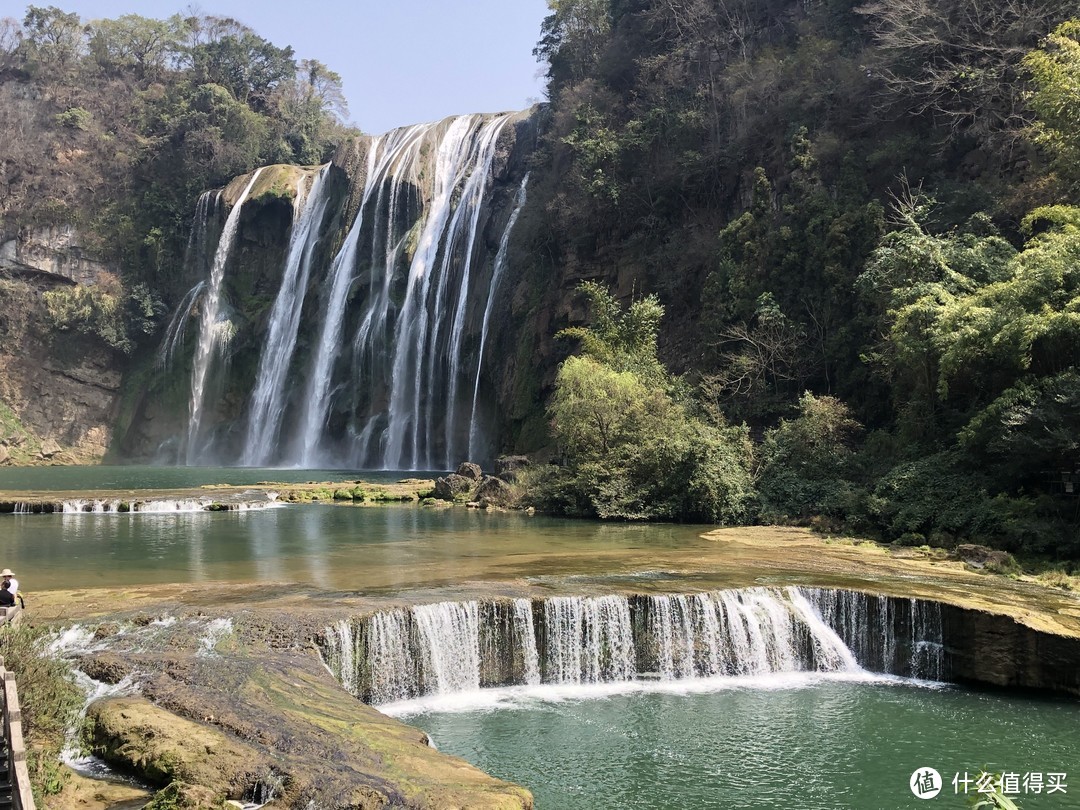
(89, 310)
(75, 118)
(807, 463)
(842, 209)
(1055, 73)
(633, 451)
(138, 116)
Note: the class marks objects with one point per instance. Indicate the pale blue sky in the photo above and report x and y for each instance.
(401, 61)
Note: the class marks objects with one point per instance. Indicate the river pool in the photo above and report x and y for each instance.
(782, 741)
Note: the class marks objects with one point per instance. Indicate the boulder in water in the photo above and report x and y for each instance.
(494, 492)
(469, 470)
(453, 487)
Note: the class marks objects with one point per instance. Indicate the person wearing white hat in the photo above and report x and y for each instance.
(12, 583)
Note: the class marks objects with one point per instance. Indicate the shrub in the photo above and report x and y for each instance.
(93, 310)
(75, 118)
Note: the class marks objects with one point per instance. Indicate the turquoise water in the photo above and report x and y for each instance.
(104, 478)
(777, 742)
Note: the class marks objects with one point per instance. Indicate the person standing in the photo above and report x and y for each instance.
(12, 584)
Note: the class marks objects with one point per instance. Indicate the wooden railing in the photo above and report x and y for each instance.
(22, 798)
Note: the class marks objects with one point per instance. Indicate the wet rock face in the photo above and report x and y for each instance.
(53, 251)
(61, 388)
(105, 667)
(164, 748)
(987, 648)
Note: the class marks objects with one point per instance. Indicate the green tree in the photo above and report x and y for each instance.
(632, 451)
(623, 340)
(54, 39)
(572, 37)
(310, 106)
(250, 67)
(132, 42)
(808, 463)
(1055, 73)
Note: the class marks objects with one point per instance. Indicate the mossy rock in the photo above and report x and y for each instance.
(182, 796)
(163, 748)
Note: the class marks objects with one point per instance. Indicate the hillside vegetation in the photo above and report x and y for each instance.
(859, 221)
(116, 126)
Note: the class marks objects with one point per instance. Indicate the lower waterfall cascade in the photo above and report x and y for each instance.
(454, 647)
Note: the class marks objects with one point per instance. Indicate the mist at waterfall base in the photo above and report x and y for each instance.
(373, 357)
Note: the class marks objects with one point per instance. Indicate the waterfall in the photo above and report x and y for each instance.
(385, 155)
(453, 647)
(526, 632)
(588, 640)
(370, 357)
(463, 155)
(269, 398)
(467, 214)
(885, 634)
(196, 262)
(409, 260)
(449, 635)
(175, 333)
(496, 277)
(211, 334)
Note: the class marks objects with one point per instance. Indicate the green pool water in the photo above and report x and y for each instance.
(795, 741)
(785, 742)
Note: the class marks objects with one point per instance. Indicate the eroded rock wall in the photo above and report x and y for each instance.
(58, 391)
(994, 650)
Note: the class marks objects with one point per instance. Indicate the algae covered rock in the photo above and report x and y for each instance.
(164, 748)
(494, 492)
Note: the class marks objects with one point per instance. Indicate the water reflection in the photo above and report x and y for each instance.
(386, 548)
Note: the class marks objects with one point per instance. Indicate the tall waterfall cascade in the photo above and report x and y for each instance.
(376, 353)
(268, 400)
(213, 333)
(455, 647)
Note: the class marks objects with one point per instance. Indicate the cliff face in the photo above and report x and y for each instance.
(990, 649)
(58, 391)
(422, 265)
